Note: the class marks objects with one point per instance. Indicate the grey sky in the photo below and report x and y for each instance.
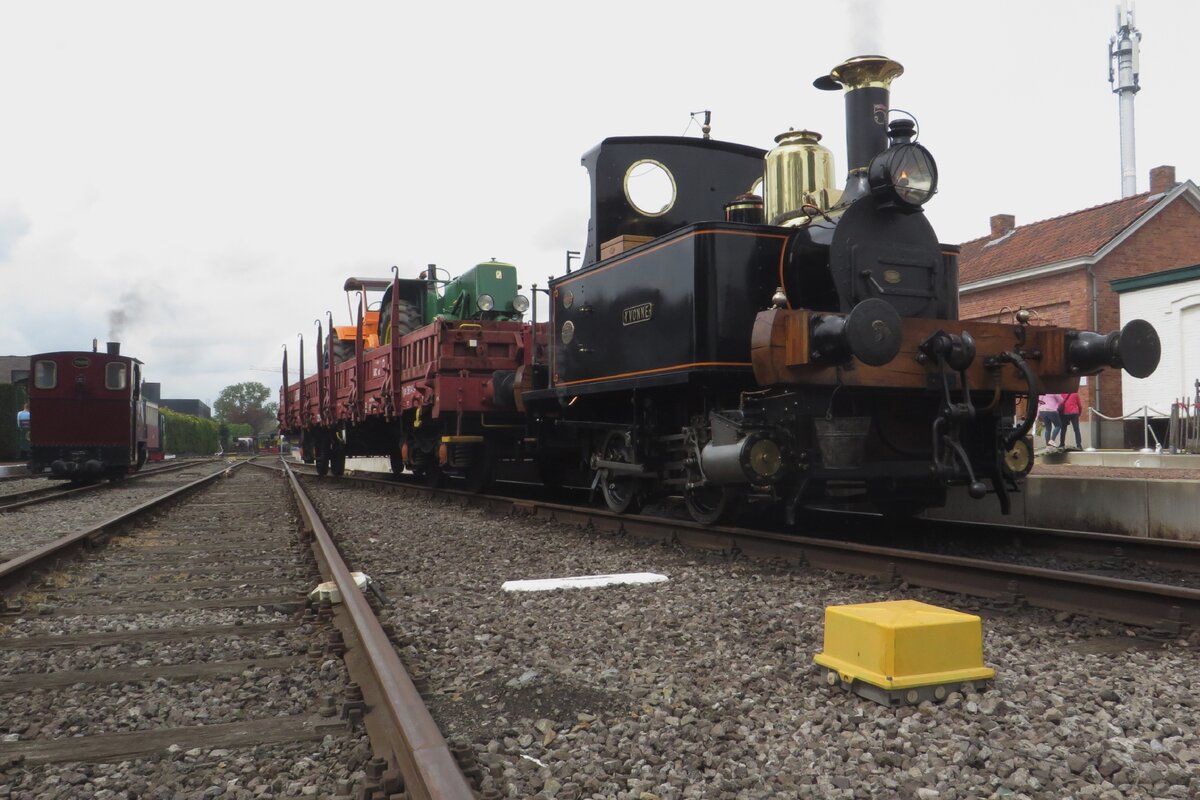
(211, 172)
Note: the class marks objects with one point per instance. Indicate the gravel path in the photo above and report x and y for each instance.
(704, 686)
(19, 485)
(33, 526)
(238, 532)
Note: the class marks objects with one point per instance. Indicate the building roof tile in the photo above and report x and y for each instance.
(1075, 235)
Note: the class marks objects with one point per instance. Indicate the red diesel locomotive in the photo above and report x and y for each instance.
(89, 419)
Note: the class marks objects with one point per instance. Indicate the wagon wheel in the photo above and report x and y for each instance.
(433, 475)
(397, 460)
(711, 504)
(479, 474)
(322, 455)
(337, 463)
(621, 492)
(307, 451)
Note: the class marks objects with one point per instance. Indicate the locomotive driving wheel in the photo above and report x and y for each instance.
(621, 492)
(710, 504)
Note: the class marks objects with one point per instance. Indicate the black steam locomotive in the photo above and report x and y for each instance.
(756, 334)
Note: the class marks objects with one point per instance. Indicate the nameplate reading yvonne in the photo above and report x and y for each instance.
(638, 314)
(582, 582)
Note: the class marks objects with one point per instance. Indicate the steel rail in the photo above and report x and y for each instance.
(12, 570)
(418, 748)
(48, 493)
(1164, 553)
(1158, 606)
(1152, 605)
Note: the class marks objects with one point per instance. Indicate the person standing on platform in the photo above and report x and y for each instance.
(23, 431)
(1069, 413)
(1048, 413)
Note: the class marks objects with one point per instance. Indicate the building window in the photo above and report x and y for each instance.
(45, 374)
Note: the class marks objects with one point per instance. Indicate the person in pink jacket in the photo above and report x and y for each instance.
(1048, 413)
(1069, 413)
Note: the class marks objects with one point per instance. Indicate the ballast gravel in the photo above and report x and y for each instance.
(33, 526)
(183, 540)
(704, 686)
(329, 768)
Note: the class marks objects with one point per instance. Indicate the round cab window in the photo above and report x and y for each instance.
(650, 187)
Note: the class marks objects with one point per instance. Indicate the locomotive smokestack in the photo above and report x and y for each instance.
(867, 81)
(114, 348)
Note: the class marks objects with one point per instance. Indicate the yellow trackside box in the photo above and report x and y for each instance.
(902, 650)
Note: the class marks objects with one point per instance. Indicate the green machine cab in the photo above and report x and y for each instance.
(487, 291)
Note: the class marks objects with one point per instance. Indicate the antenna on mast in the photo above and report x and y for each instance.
(1123, 73)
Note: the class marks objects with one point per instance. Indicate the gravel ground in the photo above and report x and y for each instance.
(328, 768)
(201, 535)
(704, 686)
(33, 526)
(18, 485)
(275, 644)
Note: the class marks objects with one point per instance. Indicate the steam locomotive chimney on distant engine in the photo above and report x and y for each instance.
(114, 348)
(867, 81)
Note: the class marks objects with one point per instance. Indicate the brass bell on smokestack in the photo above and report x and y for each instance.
(867, 81)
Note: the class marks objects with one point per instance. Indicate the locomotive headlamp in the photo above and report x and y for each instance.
(905, 173)
(520, 304)
(486, 302)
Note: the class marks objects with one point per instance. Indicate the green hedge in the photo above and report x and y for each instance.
(8, 422)
(188, 435)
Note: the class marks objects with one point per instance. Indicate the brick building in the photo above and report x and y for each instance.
(1061, 268)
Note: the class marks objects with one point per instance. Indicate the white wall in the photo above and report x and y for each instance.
(1174, 310)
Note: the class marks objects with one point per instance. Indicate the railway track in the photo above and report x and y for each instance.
(703, 684)
(54, 490)
(1091, 579)
(183, 654)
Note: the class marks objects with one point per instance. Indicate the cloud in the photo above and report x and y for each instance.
(13, 225)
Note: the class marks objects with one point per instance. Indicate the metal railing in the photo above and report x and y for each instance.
(1183, 426)
(1147, 432)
